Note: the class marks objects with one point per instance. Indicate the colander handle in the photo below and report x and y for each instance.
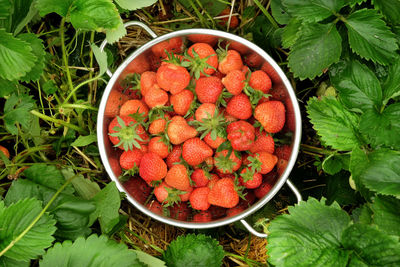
(127, 24)
(264, 235)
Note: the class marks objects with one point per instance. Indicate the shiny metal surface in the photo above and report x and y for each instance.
(106, 150)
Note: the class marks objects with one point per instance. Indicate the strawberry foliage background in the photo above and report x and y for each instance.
(58, 205)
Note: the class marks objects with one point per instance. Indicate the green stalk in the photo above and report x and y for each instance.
(63, 123)
(64, 57)
(72, 93)
(90, 96)
(265, 12)
(199, 15)
(246, 260)
(80, 106)
(30, 226)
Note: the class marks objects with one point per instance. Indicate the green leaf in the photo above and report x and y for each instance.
(382, 174)
(297, 240)
(24, 11)
(7, 262)
(108, 202)
(389, 8)
(84, 187)
(49, 87)
(5, 14)
(84, 140)
(362, 215)
(358, 162)
(15, 219)
(386, 211)
(194, 250)
(313, 10)
(16, 57)
(291, 33)
(16, 111)
(317, 47)
(336, 126)
(49, 6)
(113, 35)
(279, 12)
(7, 87)
(334, 163)
(94, 15)
(38, 50)
(93, 251)
(339, 190)
(370, 246)
(391, 86)
(382, 128)
(357, 85)
(369, 37)
(352, 3)
(101, 58)
(149, 260)
(133, 5)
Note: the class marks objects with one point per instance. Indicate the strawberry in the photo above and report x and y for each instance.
(234, 22)
(186, 194)
(217, 212)
(139, 65)
(199, 177)
(224, 194)
(271, 115)
(228, 118)
(125, 133)
(204, 111)
(259, 80)
(272, 73)
(240, 107)
(283, 152)
(250, 179)
(229, 60)
(281, 166)
(203, 216)
(129, 86)
(177, 177)
(179, 130)
(234, 211)
(203, 60)
(253, 60)
(214, 179)
(279, 92)
(263, 162)
(234, 81)
(182, 102)
(158, 125)
(155, 97)
(225, 164)
(264, 188)
(195, 151)
(134, 108)
(130, 159)
(173, 45)
(115, 167)
(263, 142)
(138, 189)
(155, 207)
(164, 194)
(208, 89)
(241, 134)
(158, 145)
(249, 199)
(174, 156)
(180, 211)
(290, 118)
(238, 46)
(5, 152)
(152, 167)
(114, 102)
(213, 143)
(199, 198)
(203, 38)
(172, 78)
(147, 80)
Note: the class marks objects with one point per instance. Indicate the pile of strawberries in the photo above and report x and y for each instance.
(193, 128)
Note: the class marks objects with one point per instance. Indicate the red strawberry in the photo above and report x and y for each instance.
(152, 167)
(204, 60)
(234, 22)
(271, 115)
(241, 48)
(195, 151)
(241, 134)
(162, 194)
(263, 142)
(182, 101)
(281, 166)
(200, 178)
(174, 156)
(158, 125)
(136, 108)
(125, 133)
(172, 78)
(186, 194)
(234, 211)
(204, 111)
(115, 167)
(279, 92)
(179, 130)
(139, 65)
(224, 194)
(174, 45)
(240, 107)
(203, 216)
(138, 189)
(253, 60)
(5, 152)
(130, 159)
(272, 73)
(155, 207)
(199, 198)
(217, 212)
(225, 164)
(250, 179)
(249, 199)
(157, 145)
(213, 143)
(214, 179)
(177, 177)
(229, 60)
(203, 38)
(147, 80)
(264, 188)
(208, 89)
(114, 103)
(155, 97)
(259, 80)
(180, 211)
(283, 152)
(290, 118)
(264, 160)
(234, 81)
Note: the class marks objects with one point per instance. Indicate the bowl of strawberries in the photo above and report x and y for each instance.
(200, 128)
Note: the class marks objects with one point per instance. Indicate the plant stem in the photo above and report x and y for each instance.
(30, 226)
(81, 106)
(246, 260)
(199, 15)
(72, 93)
(63, 123)
(65, 59)
(265, 12)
